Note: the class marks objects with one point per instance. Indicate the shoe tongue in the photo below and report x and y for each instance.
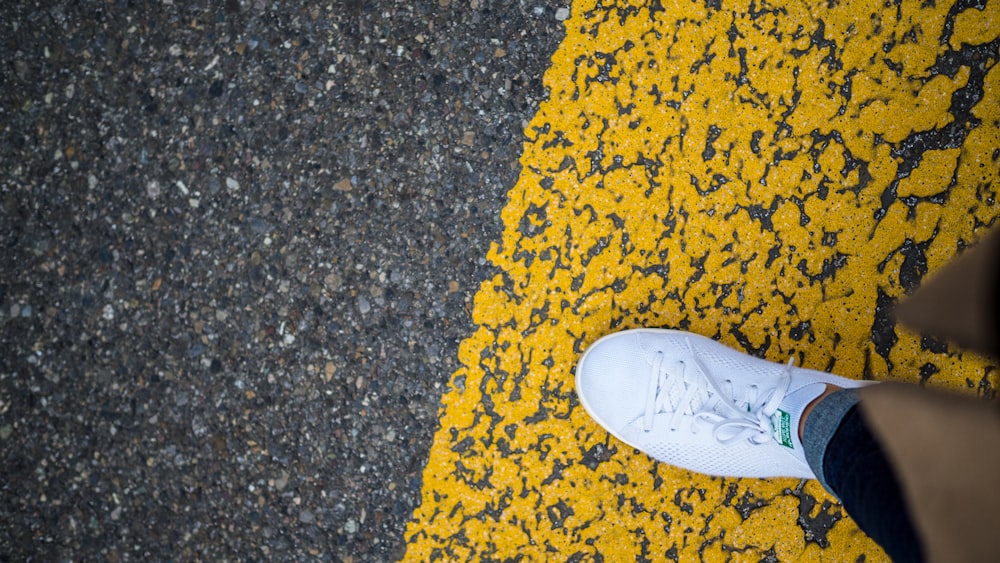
(677, 383)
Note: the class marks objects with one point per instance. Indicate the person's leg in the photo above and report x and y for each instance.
(851, 464)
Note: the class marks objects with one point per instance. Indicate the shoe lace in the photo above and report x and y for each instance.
(688, 389)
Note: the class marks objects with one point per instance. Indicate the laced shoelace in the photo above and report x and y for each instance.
(731, 418)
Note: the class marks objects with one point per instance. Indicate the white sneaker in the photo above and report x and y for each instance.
(692, 402)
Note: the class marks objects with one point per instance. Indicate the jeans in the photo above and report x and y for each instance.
(850, 463)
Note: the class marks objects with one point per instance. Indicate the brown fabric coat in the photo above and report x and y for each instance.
(946, 448)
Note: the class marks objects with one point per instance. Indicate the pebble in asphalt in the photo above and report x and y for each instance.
(240, 241)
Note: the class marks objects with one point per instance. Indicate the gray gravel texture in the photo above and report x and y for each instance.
(240, 240)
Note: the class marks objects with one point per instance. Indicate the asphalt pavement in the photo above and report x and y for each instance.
(240, 241)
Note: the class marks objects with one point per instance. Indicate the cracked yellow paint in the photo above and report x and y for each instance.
(772, 174)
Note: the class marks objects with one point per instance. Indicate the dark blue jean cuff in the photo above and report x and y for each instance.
(822, 424)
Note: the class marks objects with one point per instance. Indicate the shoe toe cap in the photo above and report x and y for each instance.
(612, 379)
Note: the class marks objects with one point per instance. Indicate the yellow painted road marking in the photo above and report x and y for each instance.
(772, 174)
